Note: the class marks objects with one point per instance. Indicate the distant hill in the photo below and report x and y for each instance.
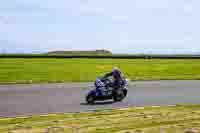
(92, 52)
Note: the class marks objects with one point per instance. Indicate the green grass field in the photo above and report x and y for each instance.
(177, 119)
(19, 70)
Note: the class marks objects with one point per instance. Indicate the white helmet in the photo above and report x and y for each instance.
(115, 69)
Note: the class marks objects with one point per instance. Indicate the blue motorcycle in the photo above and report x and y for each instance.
(108, 92)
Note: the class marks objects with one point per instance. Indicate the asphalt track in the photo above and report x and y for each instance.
(19, 100)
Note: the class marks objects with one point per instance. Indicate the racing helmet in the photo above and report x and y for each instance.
(115, 69)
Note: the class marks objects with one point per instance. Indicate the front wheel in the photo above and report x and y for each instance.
(90, 99)
(118, 96)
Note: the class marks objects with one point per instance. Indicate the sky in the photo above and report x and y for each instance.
(122, 26)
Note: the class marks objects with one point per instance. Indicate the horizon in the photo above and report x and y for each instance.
(129, 27)
(136, 53)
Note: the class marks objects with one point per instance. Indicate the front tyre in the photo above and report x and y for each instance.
(118, 96)
(125, 91)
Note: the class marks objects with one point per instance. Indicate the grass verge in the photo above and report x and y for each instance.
(36, 70)
(174, 119)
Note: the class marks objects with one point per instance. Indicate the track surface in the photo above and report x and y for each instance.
(61, 98)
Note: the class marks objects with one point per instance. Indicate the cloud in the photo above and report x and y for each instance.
(20, 6)
(86, 24)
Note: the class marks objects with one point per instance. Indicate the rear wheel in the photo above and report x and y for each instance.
(90, 99)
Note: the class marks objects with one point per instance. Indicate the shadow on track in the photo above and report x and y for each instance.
(98, 103)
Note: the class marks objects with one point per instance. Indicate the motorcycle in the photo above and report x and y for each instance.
(109, 93)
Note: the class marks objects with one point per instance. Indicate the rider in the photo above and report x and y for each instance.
(119, 79)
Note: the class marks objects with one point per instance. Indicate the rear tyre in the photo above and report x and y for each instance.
(90, 99)
(118, 96)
